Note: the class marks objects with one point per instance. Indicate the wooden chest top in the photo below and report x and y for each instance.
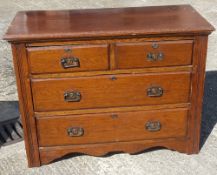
(28, 25)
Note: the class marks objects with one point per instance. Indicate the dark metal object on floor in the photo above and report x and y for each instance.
(11, 130)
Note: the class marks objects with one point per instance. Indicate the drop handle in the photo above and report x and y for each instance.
(155, 92)
(155, 56)
(72, 96)
(153, 126)
(75, 131)
(70, 62)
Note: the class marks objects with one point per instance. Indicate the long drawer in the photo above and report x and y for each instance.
(110, 91)
(108, 127)
(71, 58)
(153, 54)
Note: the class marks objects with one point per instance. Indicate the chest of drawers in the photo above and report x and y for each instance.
(106, 80)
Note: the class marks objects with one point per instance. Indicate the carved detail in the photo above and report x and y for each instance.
(48, 155)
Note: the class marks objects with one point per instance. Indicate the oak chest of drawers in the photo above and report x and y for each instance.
(105, 80)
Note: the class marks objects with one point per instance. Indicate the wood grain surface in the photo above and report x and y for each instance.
(134, 21)
(110, 91)
(49, 154)
(48, 59)
(111, 127)
(135, 55)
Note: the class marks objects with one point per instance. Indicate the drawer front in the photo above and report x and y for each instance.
(153, 54)
(54, 59)
(99, 128)
(110, 91)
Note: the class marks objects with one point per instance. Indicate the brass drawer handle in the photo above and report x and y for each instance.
(155, 57)
(70, 62)
(73, 96)
(155, 92)
(75, 131)
(153, 126)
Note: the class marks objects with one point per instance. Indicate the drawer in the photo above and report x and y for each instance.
(107, 127)
(54, 59)
(153, 54)
(110, 91)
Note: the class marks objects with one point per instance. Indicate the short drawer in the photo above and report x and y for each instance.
(110, 91)
(55, 59)
(153, 54)
(107, 127)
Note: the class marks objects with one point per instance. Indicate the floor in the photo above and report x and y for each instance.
(12, 157)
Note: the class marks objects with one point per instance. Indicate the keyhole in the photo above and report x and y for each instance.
(114, 116)
(155, 45)
(67, 50)
(113, 78)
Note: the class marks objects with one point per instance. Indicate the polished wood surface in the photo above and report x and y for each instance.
(113, 79)
(135, 55)
(112, 127)
(110, 91)
(48, 59)
(28, 25)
